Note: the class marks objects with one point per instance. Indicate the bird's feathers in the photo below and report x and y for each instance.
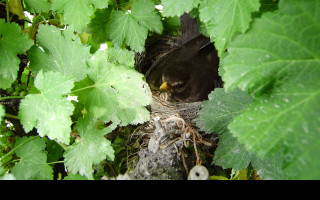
(191, 71)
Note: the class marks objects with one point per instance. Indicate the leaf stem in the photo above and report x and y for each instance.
(11, 116)
(11, 97)
(7, 8)
(62, 161)
(62, 145)
(110, 166)
(12, 161)
(17, 147)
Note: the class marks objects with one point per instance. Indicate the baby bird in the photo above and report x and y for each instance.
(190, 72)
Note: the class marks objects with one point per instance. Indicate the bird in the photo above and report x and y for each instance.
(190, 72)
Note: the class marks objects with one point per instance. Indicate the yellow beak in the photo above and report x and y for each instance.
(165, 86)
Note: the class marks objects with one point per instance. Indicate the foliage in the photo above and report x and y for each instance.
(58, 52)
(33, 160)
(280, 74)
(77, 13)
(266, 115)
(48, 111)
(113, 91)
(12, 42)
(215, 116)
(92, 149)
(132, 26)
(230, 18)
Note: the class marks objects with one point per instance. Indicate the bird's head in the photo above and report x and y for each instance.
(177, 83)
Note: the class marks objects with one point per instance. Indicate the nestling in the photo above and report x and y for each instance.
(190, 72)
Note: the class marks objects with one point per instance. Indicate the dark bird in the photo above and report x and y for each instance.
(189, 72)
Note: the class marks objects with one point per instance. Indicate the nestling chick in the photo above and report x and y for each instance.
(190, 72)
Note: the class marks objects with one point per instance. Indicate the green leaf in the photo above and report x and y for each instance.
(120, 57)
(132, 27)
(100, 25)
(171, 25)
(266, 6)
(62, 53)
(55, 151)
(215, 116)
(278, 62)
(220, 109)
(37, 6)
(230, 153)
(49, 111)
(2, 112)
(224, 19)
(12, 42)
(269, 168)
(114, 92)
(92, 149)
(77, 13)
(143, 11)
(33, 164)
(15, 7)
(178, 7)
(7, 177)
(124, 28)
(74, 177)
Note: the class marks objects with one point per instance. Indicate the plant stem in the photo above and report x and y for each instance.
(11, 116)
(62, 145)
(110, 166)
(11, 97)
(55, 162)
(7, 8)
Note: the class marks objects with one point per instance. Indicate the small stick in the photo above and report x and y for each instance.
(184, 163)
(195, 149)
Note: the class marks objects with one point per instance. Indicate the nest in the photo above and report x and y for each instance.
(171, 131)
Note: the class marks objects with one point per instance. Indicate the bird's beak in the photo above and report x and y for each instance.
(165, 86)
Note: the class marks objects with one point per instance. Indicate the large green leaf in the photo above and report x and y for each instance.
(124, 28)
(100, 25)
(60, 52)
(92, 149)
(278, 62)
(215, 116)
(220, 109)
(224, 19)
(178, 7)
(37, 6)
(77, 13)
(132, 27)
(231, 154)
(114, 91)
(12, 42)
(33, 160)
(120, 57)
(49, 111)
